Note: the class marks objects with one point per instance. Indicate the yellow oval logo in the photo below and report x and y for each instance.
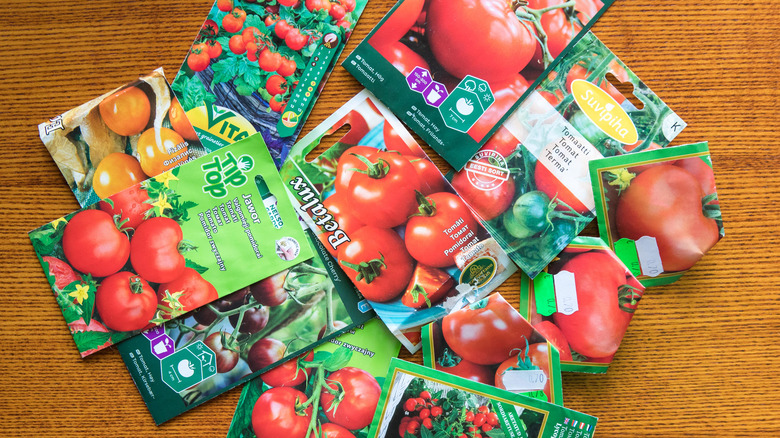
(604, 112)
(220, 122)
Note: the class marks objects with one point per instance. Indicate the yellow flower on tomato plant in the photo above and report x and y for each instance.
(56, 222)
(80, 294)
(162, 203)
(166, 178)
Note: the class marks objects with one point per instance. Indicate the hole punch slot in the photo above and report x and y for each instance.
(626, 89)
(327, 141)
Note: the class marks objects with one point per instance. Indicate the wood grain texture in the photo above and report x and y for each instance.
(700, 358)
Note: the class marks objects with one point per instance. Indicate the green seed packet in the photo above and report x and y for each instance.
(462, 404)
(490, 342)
(351, 367)
(243, 71)
(530, 183)
(453, 70)
(170, 244)
(582, 303)
(658, 209)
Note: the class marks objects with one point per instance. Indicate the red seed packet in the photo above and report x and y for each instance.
(658, 209)
(409, 244)
(453, 70)
(490, 342)
(583, 303)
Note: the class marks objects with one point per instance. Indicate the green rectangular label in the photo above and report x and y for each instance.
(544, 291)
(626, 251)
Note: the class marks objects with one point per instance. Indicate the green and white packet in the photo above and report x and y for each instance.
(530, 183)
(508, 414)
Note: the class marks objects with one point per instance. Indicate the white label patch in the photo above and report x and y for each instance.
(565, 292)
(558, 146)
(649, 256)
(524, 380)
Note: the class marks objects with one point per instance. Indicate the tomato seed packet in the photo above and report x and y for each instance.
(530, 183)
(454, 70)
(490, 342)
(243, 334)
(242, 72)
(582, 304)
(463, 407)
(121, 138)
(658, 209)
(170, 244)
(350, 368)
(409, 244)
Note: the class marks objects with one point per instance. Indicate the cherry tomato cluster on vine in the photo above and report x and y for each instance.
(264, 47)
(251, 306)
(377, 192)
(422, 411)
(96, 243)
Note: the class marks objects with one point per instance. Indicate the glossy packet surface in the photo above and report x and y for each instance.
(465, 406)
(530, 183)
(170, 244)
(121, 138)
(410, 245)
(490, 342)
(242, 72)
(353, 366)
(452, 70)
(583, 304)
(658, 209)
(242, 334)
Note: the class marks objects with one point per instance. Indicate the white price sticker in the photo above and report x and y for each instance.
(524, 380)
(649, 256)
(565, 292)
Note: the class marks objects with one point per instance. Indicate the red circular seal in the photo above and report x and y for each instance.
(487, 170)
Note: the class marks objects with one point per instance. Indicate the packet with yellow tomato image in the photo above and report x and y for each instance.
(121, 138)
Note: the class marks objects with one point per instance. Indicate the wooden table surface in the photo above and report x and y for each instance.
(700, 357)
